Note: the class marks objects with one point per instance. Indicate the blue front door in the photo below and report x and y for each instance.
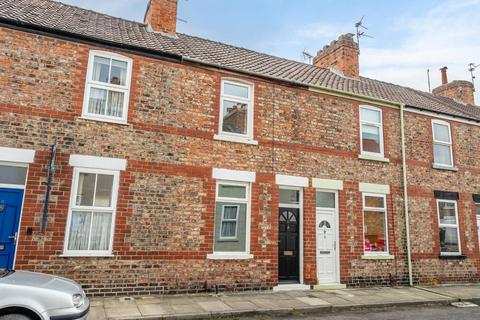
(10, 208)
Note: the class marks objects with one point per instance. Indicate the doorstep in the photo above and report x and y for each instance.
(291, 287)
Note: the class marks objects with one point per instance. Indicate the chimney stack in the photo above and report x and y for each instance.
(161, 16)
(459, 90)
(341, 55)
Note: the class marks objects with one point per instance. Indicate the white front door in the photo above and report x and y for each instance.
(327, 234)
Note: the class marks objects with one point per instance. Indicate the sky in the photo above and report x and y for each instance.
(409, 36)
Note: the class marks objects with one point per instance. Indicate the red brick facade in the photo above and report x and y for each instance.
(166, 201)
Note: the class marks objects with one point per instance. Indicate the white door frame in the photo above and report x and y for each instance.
(337, 236)
(18, 187)
(299, 206)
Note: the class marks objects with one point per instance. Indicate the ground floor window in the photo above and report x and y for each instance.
(91, 214)
(448, 227)
(375, 223)
(231, 209)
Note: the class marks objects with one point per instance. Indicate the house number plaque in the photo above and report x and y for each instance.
(2, 247)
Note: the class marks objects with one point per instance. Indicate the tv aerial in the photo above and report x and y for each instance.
(307, 56)
(471, 68)
(361, 31)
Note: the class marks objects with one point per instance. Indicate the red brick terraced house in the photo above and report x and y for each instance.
(187, 165)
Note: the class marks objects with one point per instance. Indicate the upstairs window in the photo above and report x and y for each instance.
(371, 128)
(107, 87)
(442, 144)
(236, 110)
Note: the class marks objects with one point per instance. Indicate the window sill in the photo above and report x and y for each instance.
(442, 167)
(452, 256)
(87, 255)
(220, 137)
(373, 158)
(378, 257)
(229, 256)
(92, 118)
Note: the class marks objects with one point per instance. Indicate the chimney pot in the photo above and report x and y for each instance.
(459, 90)
(444, 75)
(161, 16)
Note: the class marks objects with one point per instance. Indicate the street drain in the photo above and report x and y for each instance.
(464, 304)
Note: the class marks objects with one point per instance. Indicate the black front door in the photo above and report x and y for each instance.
(288, 246)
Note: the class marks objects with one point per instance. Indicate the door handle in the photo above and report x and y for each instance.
(14, 237)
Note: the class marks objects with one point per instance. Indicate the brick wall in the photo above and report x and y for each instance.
(164, 218)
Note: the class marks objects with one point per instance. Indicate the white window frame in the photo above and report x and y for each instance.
(448, 225)
(375, 124)
(222, 255)
(74, 207)
(435, 141)
(223, 219)
(385, 211)
(231, 136)
(89, 83)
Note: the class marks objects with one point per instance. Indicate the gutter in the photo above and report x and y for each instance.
(405, 195)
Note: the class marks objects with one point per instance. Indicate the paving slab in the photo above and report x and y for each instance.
(155, 309)
(241, 305)
(118, 302)
(97, 313)
(122, 311)
(264, 303)
(149, 300)
(314, 301)
(214, 306)
(183, 309)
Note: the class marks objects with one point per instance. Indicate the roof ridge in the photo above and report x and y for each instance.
(184, 34)
(246, 49)
(94, 12)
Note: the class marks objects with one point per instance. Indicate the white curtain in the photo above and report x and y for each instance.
(79, 229)
(229, 227)
(97, 101)
(115, 104)
(100, 238)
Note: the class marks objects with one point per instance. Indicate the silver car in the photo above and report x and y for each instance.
(37, 296)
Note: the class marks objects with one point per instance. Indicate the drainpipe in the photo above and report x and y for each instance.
(405, 195)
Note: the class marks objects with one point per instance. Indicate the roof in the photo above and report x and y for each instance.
(56, 16)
